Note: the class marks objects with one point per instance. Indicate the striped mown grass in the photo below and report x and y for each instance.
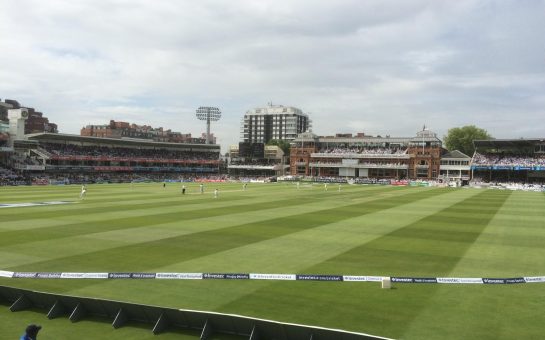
(276, 228)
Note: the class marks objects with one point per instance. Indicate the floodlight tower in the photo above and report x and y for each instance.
(209, 114)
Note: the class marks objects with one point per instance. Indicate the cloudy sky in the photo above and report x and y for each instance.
(381, 67)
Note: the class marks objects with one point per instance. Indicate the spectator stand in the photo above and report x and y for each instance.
(509, 161)
(90, 156)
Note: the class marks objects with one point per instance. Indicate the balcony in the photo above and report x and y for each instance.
(360, 166)
(360, 155)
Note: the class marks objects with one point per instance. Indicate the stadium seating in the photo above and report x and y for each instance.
(10, 177)
(61, 151)
(365, 151)
(508, 160)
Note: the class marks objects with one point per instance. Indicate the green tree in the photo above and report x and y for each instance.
(461, 138)
(282, 144)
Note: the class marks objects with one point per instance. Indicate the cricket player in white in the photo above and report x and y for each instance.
(83, 192)
(215, 193)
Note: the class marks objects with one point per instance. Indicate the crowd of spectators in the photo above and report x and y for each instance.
(511, 184)
(23, 159)
(368, 164)
(10, 177)
(364, 180)
(120, 152)
(364, 151)
(329, 179)
(263, 162)
(246, 179)
(508, 160)
(341, 180)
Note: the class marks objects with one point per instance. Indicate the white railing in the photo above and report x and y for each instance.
(360, 155)
(359, 166)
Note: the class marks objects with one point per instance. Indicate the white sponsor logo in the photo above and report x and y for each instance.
(84, 275)
(32, 204)
(119, 275)
(272, 276)
(515, 280)
(354, 278)
(96, 275)
(319, 277)
(374, 278)
(24, 275)
(459, 280)
(48, 275)
(532, 279)
(143, 275)
(72, 275)
(362, 278)
(476, 280)
(166, 275)
(494, 280)
(4, 273)
(179, 276)
(237, 276)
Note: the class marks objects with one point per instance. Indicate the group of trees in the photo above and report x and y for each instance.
(282, 144)
(461, 138)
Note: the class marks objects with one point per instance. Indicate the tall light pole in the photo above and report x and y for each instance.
(209, 114)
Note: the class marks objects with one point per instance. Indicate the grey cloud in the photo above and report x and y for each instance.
(384, 67)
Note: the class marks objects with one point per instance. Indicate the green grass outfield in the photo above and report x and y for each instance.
(276, 228)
